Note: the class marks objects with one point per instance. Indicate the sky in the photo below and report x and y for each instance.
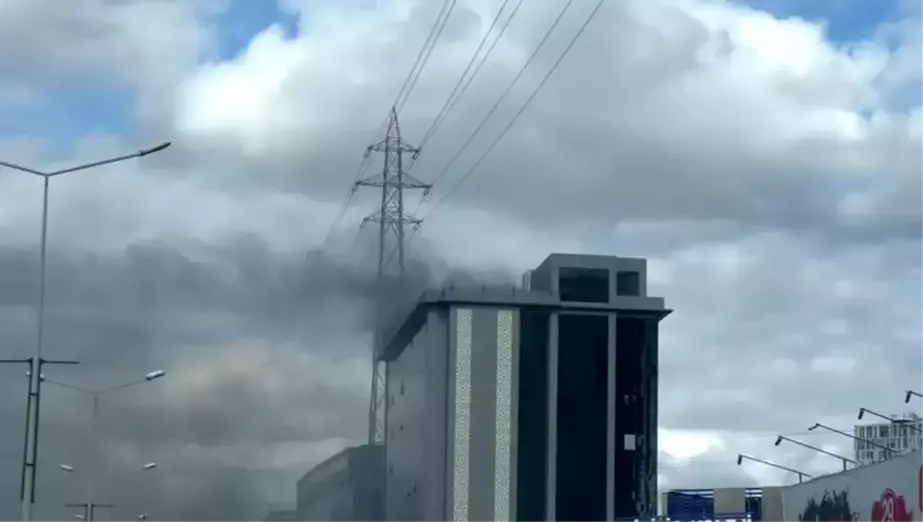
(765, 156)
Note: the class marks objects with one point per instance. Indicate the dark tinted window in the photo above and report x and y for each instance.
(584, 285)
(628, 283)
(581, 423)
(533, 415)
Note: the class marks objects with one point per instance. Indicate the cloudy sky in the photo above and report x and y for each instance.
(765, 155)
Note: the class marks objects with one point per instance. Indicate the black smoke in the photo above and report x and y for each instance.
(148, 305)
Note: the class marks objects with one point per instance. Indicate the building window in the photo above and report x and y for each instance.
(583, 285)
(628, 283)
(883, 432)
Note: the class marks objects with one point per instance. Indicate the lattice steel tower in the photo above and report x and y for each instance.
(391, 220)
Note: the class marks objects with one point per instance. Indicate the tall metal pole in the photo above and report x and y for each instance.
(391, 220)
(91, 469)
(32, 419)
(35, 377)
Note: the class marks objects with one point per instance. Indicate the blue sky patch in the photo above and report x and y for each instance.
(244, 19)
(63, 115)
(847, 20)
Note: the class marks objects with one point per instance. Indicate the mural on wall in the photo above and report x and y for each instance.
(832, 506)
(891, 507)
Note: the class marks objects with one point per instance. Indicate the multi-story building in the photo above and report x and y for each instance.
(535, 403)
(902, 436)
(346, 487)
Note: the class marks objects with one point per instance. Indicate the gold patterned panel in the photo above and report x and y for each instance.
(462, 414)
(502, 447)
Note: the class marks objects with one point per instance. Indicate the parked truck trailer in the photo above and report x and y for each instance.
(885, 491)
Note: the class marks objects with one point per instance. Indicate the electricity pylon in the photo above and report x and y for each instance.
(391, 221)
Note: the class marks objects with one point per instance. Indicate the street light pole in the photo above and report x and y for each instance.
(89, 506)
(892, 420)
(801, 474)
(910, 393)
(89, 509)
(32, 418)
(851, 436)
(95, 395)
(30, 447)
(845, 460)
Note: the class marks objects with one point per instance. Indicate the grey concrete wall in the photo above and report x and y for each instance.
(406, 431)
(772, 503)
(731, 501)
(433, 487)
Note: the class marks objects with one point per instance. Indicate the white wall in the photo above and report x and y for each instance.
(869, 491)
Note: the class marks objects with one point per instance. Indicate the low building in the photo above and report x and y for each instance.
(346, 487)
(724, 504)
(535, 403)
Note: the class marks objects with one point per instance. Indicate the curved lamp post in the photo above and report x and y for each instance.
(886, 449)
(801, 475)
(910, 393)
(845, 460)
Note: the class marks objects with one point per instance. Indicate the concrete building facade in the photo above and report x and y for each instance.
(347, 486)
(534, 403)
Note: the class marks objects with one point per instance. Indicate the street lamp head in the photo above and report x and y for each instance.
(149, 465)
(779, 440)
(907, 396)
(156, 374)
(740, 459)
(814, 427)
(861, 413)
(158, 148)
(65, 467)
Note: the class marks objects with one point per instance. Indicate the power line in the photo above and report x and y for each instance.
(425, 52)
(522, 109)
(465, 80)
(508, 89)
(416, 63)
(464, 83)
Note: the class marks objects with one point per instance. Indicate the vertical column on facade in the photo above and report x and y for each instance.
(551, 475)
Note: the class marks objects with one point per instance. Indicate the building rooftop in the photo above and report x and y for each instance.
(407, 319)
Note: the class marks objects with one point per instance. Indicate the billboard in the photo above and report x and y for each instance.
(886, 491)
